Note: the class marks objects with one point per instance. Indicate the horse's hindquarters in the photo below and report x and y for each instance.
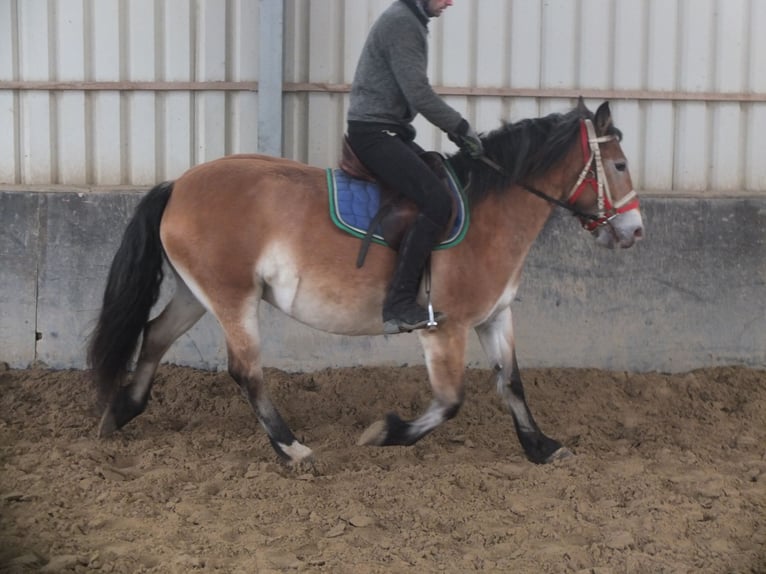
(241, 229)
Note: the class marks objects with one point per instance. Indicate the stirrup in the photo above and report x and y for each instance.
(397, 325)
(432, 324)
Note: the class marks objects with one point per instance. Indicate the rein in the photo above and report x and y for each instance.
(541, 194)
(607, 209)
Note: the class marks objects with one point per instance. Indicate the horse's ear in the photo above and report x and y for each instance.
(581, 107)
(603, 118)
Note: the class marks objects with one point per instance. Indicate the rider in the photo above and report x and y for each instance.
(390, 88)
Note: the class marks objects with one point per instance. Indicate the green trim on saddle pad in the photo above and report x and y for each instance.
(335, 213)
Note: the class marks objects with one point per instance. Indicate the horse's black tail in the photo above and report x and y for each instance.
(132, 288)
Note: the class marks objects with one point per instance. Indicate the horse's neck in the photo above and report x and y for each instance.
(523, 212)
(507, 224)
(517, 215)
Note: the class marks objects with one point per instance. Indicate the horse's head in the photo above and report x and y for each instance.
(604, 190)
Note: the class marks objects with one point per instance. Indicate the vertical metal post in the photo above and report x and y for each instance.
(270, 77)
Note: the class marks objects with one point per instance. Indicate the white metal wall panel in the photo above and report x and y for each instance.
(683, 139)
(727, 147)
(8, 99)
(325, 111)
(594, 50)
(176, 42)
(243, 61)
(526, 29)
(210, 107)
(105, 117)
(99, 136)
(70, 127)
(141, 152)
(656, 171)
(694, 75)
(559, 50)
(447, 46)
(34, 107)
(755, 114)
(628, 32)
(492, 65)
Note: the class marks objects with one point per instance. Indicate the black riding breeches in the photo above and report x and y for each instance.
(395, 161)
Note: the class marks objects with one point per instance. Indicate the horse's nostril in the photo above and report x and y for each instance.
(638, 233)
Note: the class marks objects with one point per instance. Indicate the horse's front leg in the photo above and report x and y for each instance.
(496, 338)
(444, 352)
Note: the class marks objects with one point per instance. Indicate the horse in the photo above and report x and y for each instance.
(243, 229)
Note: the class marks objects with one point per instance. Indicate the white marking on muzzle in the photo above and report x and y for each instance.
(623, 230)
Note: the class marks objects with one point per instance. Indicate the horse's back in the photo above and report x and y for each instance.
(232, 173)
(244, 190)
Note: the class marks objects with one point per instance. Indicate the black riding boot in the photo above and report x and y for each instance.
(401, 312)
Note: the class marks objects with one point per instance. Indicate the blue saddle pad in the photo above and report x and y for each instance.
(355, 202)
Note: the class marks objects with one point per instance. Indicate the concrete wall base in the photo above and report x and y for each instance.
(691, 295)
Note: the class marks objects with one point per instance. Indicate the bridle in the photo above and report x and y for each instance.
(592, 175)
(607, 207)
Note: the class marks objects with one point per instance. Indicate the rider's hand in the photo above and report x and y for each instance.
(467, 140)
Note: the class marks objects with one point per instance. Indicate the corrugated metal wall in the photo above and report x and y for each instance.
(107, 133)
(687, 79)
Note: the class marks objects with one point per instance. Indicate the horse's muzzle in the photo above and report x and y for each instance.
(623, 230)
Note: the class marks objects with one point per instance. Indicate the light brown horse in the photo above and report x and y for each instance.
(243, 229)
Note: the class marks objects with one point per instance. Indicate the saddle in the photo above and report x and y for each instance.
(396, 213)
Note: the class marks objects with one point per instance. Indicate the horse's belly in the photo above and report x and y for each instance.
(322, 294)
(330, 317)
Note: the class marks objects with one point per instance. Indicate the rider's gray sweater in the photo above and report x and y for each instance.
(391, 83)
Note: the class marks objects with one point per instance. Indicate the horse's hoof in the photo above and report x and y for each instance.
(305, 463)
(374, 435)
(108, 424)
(295, 453)
(562, 453)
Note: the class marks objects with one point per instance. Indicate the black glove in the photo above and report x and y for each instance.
(467, 140)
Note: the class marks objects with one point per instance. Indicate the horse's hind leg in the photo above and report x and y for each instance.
(179, 315)
(444, 353)
(496, 338)
(243, 342)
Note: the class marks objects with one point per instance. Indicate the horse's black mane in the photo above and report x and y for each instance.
(524, 149)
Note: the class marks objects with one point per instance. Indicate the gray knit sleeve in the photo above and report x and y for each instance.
(409, 62)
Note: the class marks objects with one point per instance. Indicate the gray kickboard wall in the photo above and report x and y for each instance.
(691, 295)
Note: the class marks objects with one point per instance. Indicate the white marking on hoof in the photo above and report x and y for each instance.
(561, 454)
(297, 452)
(374, 435)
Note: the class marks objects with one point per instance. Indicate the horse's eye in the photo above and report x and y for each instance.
(621, 165)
